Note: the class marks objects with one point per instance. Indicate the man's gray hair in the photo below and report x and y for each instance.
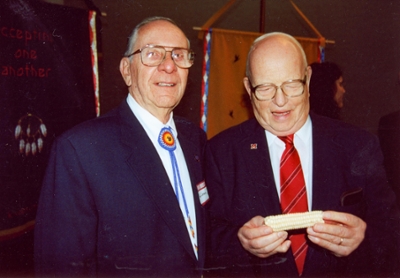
(134, 35)
(262, 37)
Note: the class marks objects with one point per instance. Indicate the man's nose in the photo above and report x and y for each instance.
(168, 64)
(280, 97)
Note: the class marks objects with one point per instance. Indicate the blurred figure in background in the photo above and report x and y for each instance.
(389, 137)
(326, 89)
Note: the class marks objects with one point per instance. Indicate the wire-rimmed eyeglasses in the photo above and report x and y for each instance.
(154, 55)
(291, 88)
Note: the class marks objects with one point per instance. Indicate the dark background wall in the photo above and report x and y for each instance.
(365, 33)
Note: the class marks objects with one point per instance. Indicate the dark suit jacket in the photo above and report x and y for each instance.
(389, 137)
(107, 207)
(346, 160)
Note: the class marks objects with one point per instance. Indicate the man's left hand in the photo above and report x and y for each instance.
(341, 233)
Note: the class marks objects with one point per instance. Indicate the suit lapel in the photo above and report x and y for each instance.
(324, 183)
(257, 162)
(146, 165)
(325, 166)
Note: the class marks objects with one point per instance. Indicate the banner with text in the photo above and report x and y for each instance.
(46, 87)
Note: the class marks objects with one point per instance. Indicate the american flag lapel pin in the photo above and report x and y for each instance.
(253, 146)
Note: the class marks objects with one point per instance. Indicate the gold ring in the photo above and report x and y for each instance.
(341, 241)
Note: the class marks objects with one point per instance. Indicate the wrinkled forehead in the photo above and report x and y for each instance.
(161, 33)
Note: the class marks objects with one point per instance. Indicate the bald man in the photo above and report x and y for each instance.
(338, 168)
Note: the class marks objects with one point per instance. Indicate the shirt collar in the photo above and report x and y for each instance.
(150, 123)
(303, 134)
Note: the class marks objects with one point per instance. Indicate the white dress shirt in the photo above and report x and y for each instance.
(153, 126)
(303, 144)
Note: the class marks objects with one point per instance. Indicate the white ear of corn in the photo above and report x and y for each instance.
(292, 221)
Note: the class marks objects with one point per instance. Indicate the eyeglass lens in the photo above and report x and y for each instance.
(153, 56)
(291, 89)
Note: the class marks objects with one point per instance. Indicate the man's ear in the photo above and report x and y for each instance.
(125, 69)
(247, 85)
(309, 73)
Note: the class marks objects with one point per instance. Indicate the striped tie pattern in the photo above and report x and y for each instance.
(293, 196)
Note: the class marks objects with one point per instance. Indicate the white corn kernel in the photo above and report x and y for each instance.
(293, 221)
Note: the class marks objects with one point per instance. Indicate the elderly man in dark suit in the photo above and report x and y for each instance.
(121, 196)
(337, 168)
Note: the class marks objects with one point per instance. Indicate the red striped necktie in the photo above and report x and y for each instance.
(293, 196)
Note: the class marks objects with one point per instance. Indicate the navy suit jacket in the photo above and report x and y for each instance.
(107, 207)
(389, 137)
(346, 162)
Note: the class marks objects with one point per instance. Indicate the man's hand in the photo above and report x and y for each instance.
(260, 240)
(341, 233)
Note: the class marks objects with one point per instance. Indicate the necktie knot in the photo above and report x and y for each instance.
(166, 139)
(288, 140)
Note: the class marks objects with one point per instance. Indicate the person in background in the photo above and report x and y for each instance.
(287, 160)
(389, 138)
(326, 89)
(121, 192)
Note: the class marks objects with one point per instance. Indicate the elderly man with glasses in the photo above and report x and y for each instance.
(124, 193)
(290, 161)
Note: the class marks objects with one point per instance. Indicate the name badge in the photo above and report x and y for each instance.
(203, 193)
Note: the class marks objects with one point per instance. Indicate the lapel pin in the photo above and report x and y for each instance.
(253, 146)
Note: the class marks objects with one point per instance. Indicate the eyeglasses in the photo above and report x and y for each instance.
(290, 88)
(154, 55)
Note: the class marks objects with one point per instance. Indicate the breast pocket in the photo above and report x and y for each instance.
(352, 201)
